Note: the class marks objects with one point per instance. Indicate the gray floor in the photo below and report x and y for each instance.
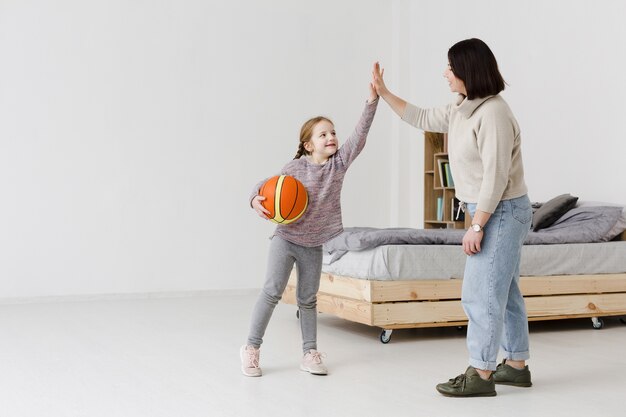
(179, 357)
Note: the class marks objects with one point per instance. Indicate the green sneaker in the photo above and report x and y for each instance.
(507, 375)
(469, 384)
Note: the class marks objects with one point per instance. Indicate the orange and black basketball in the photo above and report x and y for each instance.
(285, 198)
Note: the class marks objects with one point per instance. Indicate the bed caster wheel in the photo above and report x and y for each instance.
(385, 336)
(597, 323)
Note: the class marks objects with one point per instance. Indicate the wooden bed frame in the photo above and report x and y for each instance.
(434, 303)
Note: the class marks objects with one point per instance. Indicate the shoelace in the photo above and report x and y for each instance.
(459, 381)
(252, 358)
(316, 357)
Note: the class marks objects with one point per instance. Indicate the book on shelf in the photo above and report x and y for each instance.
(448, 172)
(439, 209)
(456, 214)
(442, 172)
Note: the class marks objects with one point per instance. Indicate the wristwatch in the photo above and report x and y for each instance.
(477, 228)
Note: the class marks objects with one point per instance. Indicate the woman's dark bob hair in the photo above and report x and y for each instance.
(473, 62)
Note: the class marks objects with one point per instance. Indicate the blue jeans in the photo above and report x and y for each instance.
(491, 296)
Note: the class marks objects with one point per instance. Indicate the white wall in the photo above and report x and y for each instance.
(564, 62)
(131, 134)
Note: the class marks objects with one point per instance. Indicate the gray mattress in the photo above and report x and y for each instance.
(411, 262)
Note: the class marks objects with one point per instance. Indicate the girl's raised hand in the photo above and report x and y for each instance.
(258, 207)
(373, 94)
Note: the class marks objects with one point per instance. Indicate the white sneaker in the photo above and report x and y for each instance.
(250, 360)
(312, 362)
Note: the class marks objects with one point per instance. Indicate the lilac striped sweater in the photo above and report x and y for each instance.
(322, 219)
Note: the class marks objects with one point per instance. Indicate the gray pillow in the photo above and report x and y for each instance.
(552, 210)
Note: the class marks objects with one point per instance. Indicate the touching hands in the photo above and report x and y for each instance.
(258, 207)
(377, 80)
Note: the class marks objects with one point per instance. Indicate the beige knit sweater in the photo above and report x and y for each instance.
(483, 148)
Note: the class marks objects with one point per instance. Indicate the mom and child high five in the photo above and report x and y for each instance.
(486, 161)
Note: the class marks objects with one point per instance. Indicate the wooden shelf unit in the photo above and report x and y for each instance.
(435, 149)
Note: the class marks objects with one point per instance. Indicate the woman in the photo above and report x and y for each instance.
(486, 163)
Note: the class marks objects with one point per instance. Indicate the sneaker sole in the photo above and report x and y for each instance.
(250, 375)
(312, 372)
(484, 394)
(516, 384)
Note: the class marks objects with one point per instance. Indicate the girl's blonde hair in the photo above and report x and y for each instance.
(306, 132)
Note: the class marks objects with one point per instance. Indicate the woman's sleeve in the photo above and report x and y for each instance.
(429, 120)
(495, 140)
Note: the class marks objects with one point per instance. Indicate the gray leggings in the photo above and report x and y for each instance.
(282, 256)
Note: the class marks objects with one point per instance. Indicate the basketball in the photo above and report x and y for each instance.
(285, 198)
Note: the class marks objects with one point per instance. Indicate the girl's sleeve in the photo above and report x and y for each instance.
(356, 142)
(429, 120)
(255, 190)
(287, 170)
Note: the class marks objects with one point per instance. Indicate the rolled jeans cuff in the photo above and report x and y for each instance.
(517, 356)
(486, 366)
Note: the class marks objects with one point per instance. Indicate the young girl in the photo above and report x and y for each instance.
(321, 168)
